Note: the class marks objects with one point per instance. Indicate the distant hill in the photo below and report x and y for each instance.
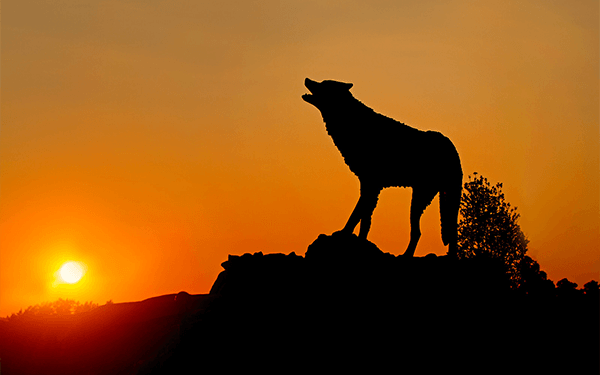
(344, 306)
(112, 338)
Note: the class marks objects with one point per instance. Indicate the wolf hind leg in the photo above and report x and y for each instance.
(421, 198)
(449, 208)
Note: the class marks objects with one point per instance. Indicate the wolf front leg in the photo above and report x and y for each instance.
(370, 202)
(363, 211)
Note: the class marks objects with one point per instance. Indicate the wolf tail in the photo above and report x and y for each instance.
(450, 197)
(449, 206)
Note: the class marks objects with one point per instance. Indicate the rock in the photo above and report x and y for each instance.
(252, 274)
(341, 246)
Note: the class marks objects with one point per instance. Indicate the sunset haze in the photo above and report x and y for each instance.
(150, 139)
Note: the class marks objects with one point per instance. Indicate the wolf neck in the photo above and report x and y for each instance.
(344, 112)
(354, 127)
(352, 116)
(345, 123)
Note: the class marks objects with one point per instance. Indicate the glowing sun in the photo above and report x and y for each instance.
(71, 272)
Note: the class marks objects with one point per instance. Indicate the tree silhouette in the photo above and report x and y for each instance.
(532, 280)
(489, 228)
(60, 307)
(567, 289)
(591, 289)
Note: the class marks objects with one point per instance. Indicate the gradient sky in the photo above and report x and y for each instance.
(150, 139)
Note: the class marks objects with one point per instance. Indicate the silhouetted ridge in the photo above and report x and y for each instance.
(352, 264)
(345, 300)
(346, 306)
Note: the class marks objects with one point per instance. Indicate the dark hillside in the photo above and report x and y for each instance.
(344, 306)
(112, 338)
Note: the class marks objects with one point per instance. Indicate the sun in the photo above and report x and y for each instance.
(71, 272)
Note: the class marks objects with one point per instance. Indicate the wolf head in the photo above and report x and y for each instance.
(327, 94)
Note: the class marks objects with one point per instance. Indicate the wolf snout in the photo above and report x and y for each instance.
(309, 83)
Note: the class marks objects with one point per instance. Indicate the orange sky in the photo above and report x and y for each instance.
(149, 139)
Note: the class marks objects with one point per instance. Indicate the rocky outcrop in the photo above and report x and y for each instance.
(344, 264)
(347, 304)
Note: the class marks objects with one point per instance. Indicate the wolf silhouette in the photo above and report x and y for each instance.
(383, 152)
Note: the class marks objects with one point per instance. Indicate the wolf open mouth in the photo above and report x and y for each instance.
(308, 83)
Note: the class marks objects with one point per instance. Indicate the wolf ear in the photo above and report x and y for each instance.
(348, 85)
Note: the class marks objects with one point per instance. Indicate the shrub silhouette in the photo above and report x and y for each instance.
(489, 227)
(383, 152)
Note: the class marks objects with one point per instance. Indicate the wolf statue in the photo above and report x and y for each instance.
(383, 152)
